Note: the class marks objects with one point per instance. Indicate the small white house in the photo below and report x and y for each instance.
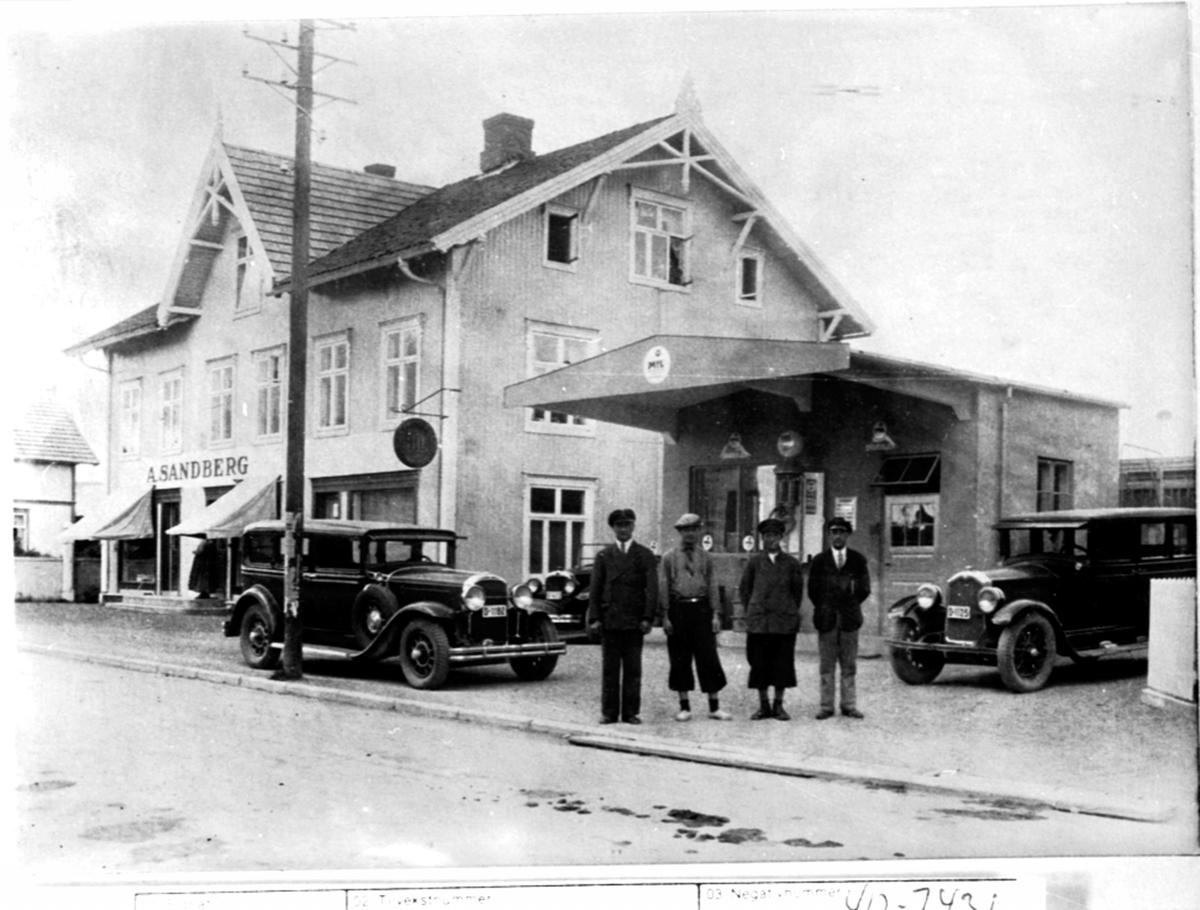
(47, 445)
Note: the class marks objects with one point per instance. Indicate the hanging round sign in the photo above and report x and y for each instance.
(415, 442)
(656, 365)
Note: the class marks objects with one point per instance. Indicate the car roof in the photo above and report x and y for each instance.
(344, 528)
(1077, 518)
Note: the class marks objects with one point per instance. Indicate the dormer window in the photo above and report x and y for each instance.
(661, 228)
(562, 237)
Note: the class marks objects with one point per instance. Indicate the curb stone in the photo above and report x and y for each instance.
(1030, 795)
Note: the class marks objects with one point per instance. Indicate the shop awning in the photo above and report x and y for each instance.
(125, 515)
(646, 383)
(254, 499)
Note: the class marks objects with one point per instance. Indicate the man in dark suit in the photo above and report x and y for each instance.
(771, 588)
(838, 583)
(622, 603)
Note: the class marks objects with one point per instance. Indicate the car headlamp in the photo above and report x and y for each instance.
(522, 596)
(928, 595)
(535, 586)
(474, 598)
(570, 586)
(990, 598)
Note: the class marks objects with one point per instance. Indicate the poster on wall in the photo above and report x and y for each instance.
(846, 507)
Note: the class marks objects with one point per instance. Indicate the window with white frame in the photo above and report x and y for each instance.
(550, 348)
(247, 293)
(561, 237)
(268, 387)
(750, 276)
(170, 397)
(220, 402)
(20, 531)
(401, 362)
(333, 384)
(661, 228)
(129, 436)
(912, 523)
(558, 521)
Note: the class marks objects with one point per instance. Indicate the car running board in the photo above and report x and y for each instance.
(1107, 648)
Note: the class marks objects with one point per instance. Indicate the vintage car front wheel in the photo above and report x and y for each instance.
(424, 654)
(1026, 653)
(917, 668)
(531, 669)
(255, 639)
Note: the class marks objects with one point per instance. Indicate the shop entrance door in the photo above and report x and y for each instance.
(167, 516)
(910, 545)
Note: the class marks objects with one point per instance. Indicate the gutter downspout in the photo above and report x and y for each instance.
(460, 258)
(1002, 460)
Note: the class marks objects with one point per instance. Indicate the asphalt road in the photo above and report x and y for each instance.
(123, 772)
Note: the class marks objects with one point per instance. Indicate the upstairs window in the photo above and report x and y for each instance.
(401, 367)
(247, 296)
(1054, 485)
(661, 239)
(129, 435)
(220, 402)
(268, 381)
(333, 384)
(20, 532)
(550, 348)
(750, 270)
(171, 413)
(562, 237)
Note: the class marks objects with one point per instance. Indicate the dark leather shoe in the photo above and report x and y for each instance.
(608, 720)
(853, 712)
(633, 720)
(823, 714)
(781, 714)
(762, 714)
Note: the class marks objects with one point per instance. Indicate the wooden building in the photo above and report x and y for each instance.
(625, 322)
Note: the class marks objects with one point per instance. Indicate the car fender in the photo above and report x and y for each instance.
(905, 606)
(387, 642)
(542, 606)
(253, 594)
(1008, 613)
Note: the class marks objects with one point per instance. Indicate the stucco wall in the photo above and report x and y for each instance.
(37, 578)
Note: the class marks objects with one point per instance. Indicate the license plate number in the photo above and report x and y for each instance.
(493, 611)
(957, 612)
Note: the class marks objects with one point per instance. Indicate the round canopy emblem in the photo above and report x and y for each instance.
(656, 365)
(415, 442)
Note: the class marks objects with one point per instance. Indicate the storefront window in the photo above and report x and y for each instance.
(726, 498)
(912, 523)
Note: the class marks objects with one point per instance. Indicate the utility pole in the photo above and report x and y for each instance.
(294, 477)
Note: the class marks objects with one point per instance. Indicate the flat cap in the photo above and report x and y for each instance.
(689, 520)
(616, 516)
(839, 522)
(771, 526)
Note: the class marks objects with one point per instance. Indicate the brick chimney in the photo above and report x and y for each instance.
(506, 138)
(381, 170)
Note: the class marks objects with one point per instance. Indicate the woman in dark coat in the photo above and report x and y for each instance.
(771, 588)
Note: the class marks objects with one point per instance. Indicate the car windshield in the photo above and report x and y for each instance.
(392, 552)
(1015, 543)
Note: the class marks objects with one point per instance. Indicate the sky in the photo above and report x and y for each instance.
(1003, 190)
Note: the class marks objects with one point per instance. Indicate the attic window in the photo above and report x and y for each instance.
(750, 269)
(248, 293)
(562, 237)
(661, 240)
(909, 472)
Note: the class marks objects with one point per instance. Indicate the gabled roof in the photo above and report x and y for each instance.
(45, 431)
(464, 211)
(417, 228)
(143, 322)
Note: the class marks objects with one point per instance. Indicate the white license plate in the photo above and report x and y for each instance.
(491, 611)
(554, 595)
(956, 612)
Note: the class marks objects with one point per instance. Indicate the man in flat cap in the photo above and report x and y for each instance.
(771, 588)
(691, 620)
(838, 583)
(622, 603)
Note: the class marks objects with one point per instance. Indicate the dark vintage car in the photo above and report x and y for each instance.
(1071, 583)
(567, 591)
(374, 591)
